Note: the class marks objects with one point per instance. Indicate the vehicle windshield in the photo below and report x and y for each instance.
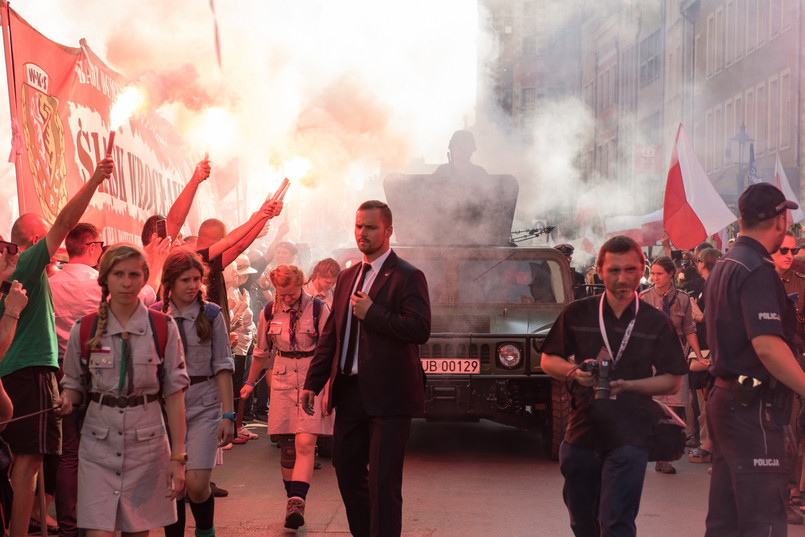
(512, 281)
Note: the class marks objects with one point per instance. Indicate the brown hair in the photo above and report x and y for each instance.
(177, 262)
(385, 211)
(327, 267)
(114, 255)
(76, 241)
(619, 244)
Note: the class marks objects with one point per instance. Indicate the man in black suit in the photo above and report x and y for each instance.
(368, 357)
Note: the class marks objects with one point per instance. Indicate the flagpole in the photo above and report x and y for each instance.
(12, 94)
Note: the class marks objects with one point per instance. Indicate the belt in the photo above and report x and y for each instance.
(726, 383)
(195, 379)
(123, 401)
(296, 354)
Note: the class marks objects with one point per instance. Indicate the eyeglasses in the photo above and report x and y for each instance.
(784, 251)
(99, 243)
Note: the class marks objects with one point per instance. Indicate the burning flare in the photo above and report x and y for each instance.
(129, 101)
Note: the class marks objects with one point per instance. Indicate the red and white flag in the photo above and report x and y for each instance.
(693, 210)
(781, 182)
(587, 205)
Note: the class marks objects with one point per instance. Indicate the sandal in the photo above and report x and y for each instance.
(700, 455)
(34, 526)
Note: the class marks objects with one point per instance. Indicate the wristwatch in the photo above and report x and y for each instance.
(229, 415)
(179, 457)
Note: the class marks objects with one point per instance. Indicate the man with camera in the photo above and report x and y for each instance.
(623, 351)
(751, 325)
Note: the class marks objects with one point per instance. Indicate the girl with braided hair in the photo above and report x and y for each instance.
(291, 328)
(208, 401)
(129, 472)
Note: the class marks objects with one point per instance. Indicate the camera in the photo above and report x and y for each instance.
(600, 371)
(5, 287)
(10, 247)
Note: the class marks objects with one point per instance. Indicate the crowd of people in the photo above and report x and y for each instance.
(131, 369)
(128, 371)
(722, 346)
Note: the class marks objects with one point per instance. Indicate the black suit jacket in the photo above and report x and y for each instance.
(398, 321)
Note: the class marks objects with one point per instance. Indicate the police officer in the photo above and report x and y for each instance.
(750, 329)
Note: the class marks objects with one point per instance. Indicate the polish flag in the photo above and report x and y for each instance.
(587, 205)
(781, 182)
(589, 243)
(693, 210)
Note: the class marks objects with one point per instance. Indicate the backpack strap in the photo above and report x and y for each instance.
(317, 302)
(87, 326)
(212, 310)
(159, 330)
(268, 311)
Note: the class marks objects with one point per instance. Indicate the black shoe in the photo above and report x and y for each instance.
(218, 492)
(295, 513)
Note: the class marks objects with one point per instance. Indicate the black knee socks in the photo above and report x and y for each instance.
(298, 489)
(204, 513)
(177, 528)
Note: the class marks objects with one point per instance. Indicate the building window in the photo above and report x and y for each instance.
(749, 106)
(650, 59)
(761, 119)
(708, 141)
(718, 134)
(762, 22)
(786, 109)
(729, 33)
(740, 26)
(651, 129)
(774, 112)
(711, 44)
(729, 126)
(718, 63)
(739, 110)
(775, 14)
(751, 25)
(528, 107)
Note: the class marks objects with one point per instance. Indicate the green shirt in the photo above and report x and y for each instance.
(34, 341)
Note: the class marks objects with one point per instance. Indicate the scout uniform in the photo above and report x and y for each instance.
(124, 453)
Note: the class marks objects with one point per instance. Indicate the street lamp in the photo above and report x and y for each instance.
(740, 141)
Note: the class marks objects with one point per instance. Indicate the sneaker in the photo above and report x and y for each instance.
(295, 513)
(240, 440)
(243, 432)
(664, 467)
(700, 455)
(692, 441)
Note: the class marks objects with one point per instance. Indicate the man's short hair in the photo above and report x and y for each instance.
(77, 241)
(150, 227)
(385, 211)
(619, 244)
(326, 268)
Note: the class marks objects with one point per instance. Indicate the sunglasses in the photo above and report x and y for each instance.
(784, 251)
(99, 243)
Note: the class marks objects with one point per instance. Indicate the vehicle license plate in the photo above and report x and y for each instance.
(451, 366)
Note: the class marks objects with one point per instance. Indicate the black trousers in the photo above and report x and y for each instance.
(368, 455)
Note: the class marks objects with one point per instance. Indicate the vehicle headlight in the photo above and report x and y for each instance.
(509, 355)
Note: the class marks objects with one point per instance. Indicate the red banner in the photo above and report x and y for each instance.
(62, 97)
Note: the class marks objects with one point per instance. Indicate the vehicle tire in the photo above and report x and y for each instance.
(558, 413)
(324, 446)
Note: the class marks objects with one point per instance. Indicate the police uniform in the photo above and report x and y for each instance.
(124, 451)
(203, 399)
(286, 415)
(746, 299)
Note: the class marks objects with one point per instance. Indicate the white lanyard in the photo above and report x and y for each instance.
(626, 334)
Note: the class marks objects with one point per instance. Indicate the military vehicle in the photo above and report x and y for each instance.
(492, 302)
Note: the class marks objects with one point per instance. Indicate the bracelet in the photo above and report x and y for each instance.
(228, 415)
(247, 383)
(12, 316)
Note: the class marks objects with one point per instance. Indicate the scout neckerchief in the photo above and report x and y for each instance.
(293, 312)
(124, 337)
(626, 335)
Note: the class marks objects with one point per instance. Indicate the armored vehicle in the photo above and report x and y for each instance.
(492, 303)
